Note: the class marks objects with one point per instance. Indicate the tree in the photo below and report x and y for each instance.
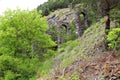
(23, 32)
(104, 8)
(17, 69)
(53, 5)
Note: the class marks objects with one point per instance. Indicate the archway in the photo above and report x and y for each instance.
(85, 19)
(63, 32)
(81, 22)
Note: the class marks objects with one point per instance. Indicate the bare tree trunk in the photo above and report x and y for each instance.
(107, 23)
(107, 26)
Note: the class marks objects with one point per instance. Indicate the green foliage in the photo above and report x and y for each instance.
(17, 69)
(115, 16)
(50, 53)
(96, 26)
(72, 33)
(113, 38)
(24, 31)
(52, 5)
(71, 44)
(87, 31)
(45, 66)
(23, 43)
(74, 76)
(83, 46)
(63, 34)
(53, 31)
(103, 20)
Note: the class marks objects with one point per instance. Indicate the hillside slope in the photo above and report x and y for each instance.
(85, 58)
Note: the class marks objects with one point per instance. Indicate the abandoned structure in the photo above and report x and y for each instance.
(63, 17)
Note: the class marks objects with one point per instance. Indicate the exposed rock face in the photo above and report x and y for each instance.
(63, 17)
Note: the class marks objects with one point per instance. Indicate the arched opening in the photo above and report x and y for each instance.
(64, 33)
(84, 18)
(81, 22)
(82, 15)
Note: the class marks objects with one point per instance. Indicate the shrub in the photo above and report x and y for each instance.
(17, 69)
(24, 31)
(113, 38)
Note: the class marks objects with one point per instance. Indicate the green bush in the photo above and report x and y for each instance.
(24, 32)
(52, 5)
(49, 53)
(113, 38)
(17, 69)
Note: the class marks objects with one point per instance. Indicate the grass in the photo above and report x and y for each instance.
(46, 66)
(83, 46)
(80, 48)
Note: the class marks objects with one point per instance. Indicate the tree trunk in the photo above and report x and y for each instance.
(107, 25)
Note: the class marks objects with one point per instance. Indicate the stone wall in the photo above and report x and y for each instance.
(62, 18)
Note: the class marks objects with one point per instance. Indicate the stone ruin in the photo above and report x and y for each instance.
(63, 17)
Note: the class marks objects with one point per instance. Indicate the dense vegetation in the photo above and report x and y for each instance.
(26, 49)
(114, 39)
(52, 5)
(23, 42)
(97, 9)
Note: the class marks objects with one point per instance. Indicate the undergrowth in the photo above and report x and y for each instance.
(81, 48)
